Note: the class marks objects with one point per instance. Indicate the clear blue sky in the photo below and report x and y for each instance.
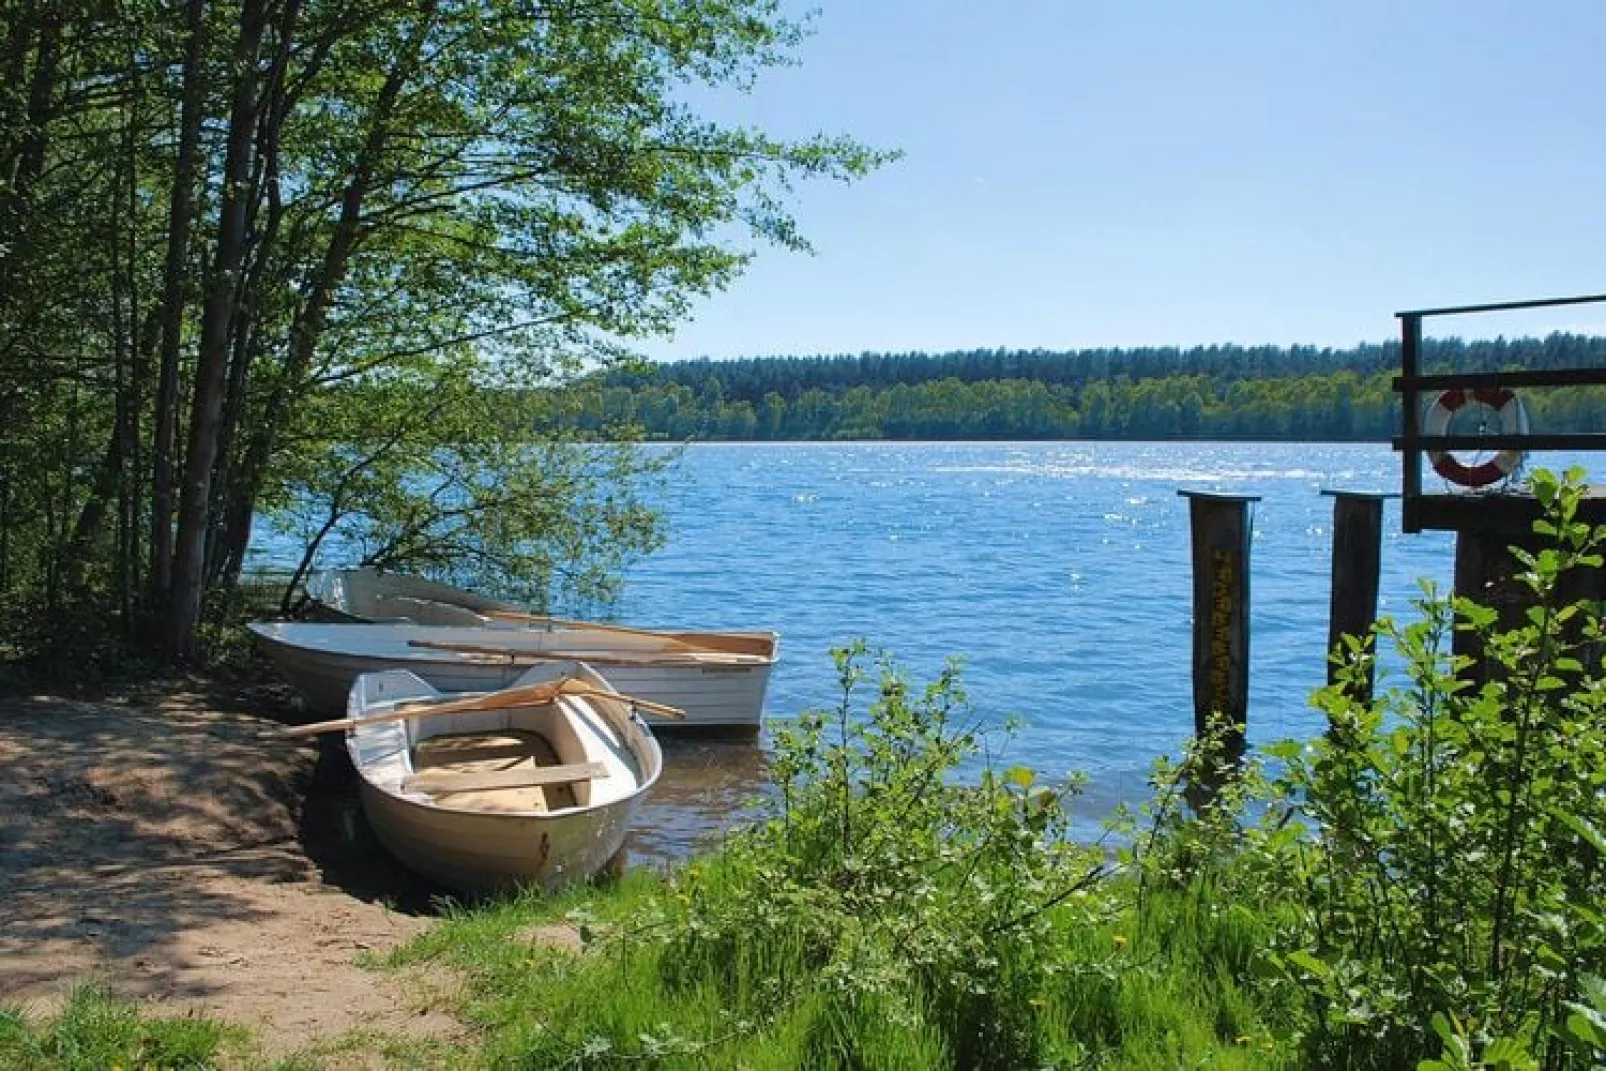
(1128, 173)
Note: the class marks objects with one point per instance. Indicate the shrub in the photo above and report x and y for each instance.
(1440, 849)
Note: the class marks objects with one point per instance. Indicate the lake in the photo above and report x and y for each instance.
(1058, 571)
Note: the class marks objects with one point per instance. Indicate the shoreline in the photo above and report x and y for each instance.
(162, 841)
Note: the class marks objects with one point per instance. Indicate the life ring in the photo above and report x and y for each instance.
(1513, 421)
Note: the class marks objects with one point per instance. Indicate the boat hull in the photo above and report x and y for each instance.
(485, 853)
(322, 661)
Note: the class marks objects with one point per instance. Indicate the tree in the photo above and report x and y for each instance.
(268, 202)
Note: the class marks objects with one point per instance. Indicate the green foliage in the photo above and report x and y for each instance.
(889, 880)
(903, 904)
(217, 220)
(469, 496)
(1203, 392)
(1438, 853)
(95, 1032)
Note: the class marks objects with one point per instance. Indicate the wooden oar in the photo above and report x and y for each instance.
(599, 658)
(527, 695)
(711, 643)
(574, 687)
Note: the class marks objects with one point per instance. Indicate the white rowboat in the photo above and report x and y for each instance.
(717, 687)
(537, 793)
(370, 595)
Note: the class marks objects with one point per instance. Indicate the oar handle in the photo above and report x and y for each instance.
(574, 687)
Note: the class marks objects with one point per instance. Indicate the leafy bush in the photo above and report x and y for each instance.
(1440, 850)
(892, 884)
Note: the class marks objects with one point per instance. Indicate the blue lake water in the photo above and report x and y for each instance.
(1059, 572)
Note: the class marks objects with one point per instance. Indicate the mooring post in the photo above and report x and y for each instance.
(1221, 530)
(1357, 560)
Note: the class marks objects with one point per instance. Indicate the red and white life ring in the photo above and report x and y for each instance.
(1513, 421)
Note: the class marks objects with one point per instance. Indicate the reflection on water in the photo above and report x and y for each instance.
(705, 790)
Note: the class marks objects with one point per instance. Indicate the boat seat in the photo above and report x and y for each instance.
(436, 782)
(526, 773)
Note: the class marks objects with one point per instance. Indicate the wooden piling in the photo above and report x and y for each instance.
(1487, 573)
(1220, 526)
(1357, 561)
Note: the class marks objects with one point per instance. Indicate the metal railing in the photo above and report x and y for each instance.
(1411, 384)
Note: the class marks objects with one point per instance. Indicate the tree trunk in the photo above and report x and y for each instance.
(206, 409)
(309, 323)
(227, 540)
(181, 211)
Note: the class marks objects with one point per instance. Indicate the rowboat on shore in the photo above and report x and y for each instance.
(718, 678)
(368, 595)
(534, 785)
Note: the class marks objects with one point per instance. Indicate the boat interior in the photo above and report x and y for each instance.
(569, 754)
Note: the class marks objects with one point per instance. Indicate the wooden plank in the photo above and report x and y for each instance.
(443, 783)
(1507, 514)
(527, 695)
(1554, 377)
(1505, 306)
(1583, 440)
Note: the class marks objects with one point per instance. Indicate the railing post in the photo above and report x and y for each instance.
(1410, 418)
(1221, 530)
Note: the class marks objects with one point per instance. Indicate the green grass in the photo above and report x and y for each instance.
(96, 1031)
(1163, 994)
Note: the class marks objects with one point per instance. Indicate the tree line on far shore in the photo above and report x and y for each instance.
(1204, 392)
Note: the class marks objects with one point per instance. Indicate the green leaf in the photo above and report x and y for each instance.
(1584, 828)
(1586, 1026)
(1508, 1054)
(1309, 963)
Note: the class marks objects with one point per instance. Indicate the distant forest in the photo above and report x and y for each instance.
(1205, 392)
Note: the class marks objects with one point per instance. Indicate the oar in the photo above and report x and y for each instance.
(711, 643)
(598, 658)
(525, 695)
(574, 687)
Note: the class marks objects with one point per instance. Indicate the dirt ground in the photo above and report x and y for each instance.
(170, 845)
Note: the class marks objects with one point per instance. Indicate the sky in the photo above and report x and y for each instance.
(1178, 172)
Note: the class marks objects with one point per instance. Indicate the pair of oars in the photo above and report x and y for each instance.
(524, 695)
(515, 653)
(707, 643)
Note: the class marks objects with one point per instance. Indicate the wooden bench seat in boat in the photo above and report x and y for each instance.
(534, 777)
(503, 770)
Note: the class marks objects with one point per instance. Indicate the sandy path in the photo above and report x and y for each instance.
(178, 851)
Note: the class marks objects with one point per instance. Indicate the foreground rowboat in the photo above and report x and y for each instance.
(717, 687)
(521, 790)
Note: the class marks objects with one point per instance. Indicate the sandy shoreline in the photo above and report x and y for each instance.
(170, 845)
